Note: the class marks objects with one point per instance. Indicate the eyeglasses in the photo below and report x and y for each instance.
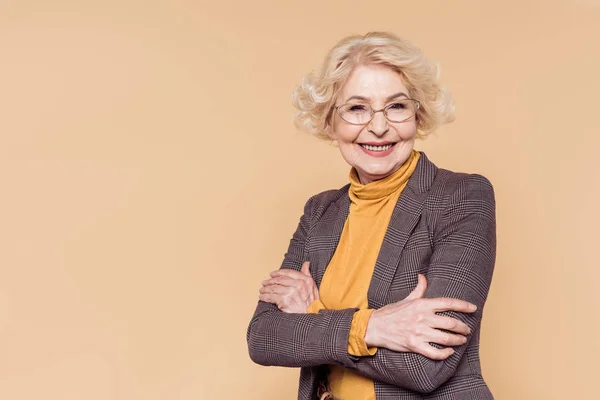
(361, 114)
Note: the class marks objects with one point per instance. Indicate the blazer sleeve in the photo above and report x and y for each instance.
(461, 267)
(277, 338)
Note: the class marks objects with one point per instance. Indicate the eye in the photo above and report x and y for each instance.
(356, 108)
(397, 106)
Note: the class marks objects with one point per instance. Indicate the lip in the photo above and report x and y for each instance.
(377, 143)
(378, 153)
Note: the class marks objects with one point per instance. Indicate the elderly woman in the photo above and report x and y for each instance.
(381, 292)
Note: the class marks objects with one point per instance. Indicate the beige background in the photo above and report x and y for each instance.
(151, 178)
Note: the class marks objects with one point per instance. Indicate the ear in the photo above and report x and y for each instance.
(329, 125)
(329, 130)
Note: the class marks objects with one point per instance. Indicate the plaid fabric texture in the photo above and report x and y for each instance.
(444, 227)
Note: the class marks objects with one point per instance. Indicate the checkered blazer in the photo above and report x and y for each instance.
(442, 226)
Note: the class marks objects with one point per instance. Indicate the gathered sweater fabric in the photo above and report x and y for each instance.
(346, 280)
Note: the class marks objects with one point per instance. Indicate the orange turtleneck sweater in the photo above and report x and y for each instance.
(348, 275)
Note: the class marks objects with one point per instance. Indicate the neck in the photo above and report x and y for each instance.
(368, 178)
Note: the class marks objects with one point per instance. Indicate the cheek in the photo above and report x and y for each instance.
(347, 149)
(407, 131)
(350, 152)
(346, 133)
(347, 136)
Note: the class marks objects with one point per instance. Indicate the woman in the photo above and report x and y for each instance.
(381, 292)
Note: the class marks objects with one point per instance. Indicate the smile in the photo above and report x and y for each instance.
(377, 148)
(382, 149)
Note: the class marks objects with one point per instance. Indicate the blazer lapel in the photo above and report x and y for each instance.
(326, 235)
(405, 216)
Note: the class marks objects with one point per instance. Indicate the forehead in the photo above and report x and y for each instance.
(373, 82)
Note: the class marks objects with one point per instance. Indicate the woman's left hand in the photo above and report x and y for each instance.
(290, 290)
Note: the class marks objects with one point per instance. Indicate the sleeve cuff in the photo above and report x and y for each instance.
(358, 329)
(315, 307)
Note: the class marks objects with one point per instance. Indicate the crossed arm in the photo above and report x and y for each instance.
(465, 241)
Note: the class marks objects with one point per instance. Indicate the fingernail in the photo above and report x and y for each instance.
(473, 307)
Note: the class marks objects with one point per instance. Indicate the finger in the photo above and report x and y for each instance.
(450, 324)
(450, 304)
(280, 280)
(419, 291)
(290, 273)
(270, 298)
(433, 353)
(306, 268)
(444, 338)
(274, 289)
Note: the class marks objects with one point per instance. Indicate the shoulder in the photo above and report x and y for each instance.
(454, 194)
(459, 199)
(449, 184)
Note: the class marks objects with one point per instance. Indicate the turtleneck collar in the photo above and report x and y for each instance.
(383, 187)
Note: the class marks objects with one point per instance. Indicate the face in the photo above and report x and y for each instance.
(377, 86)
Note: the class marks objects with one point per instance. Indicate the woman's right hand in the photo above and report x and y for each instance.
(410, 324)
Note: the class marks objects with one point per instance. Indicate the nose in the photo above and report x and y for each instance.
(379, 124)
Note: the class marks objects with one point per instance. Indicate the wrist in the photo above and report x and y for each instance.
(371, 332)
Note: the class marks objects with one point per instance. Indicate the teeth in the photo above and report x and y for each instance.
(377, 148)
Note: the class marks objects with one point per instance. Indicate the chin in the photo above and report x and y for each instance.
(379, 173)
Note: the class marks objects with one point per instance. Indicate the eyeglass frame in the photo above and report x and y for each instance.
(384, 109)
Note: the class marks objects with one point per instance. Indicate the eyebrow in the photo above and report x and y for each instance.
(399, 94)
